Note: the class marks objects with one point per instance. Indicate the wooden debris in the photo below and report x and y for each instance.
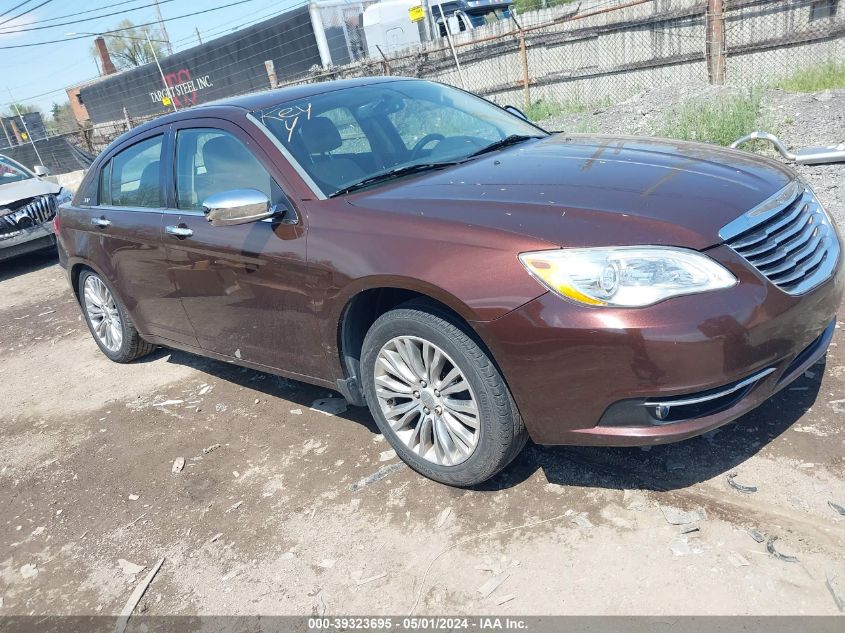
(135, 598)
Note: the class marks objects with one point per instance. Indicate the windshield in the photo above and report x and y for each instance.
(343, 137)
(10, 171)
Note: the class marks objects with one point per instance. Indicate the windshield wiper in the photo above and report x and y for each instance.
(513, 139)
(391, 174)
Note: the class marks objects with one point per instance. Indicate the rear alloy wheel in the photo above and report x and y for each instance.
(102, 314)
(438, 398)
(108, 321)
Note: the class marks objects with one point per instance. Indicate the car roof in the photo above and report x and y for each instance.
(260, 100)
(269, 98)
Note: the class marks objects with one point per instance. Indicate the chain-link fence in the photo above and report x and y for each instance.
(578, 55)
(605, 50)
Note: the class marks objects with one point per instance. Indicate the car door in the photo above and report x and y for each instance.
(244, 287)
(126, 233)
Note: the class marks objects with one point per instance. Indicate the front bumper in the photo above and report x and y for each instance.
(569, 365)
(28, 241)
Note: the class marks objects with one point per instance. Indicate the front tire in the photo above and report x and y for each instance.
(438, 397)
(108, 321)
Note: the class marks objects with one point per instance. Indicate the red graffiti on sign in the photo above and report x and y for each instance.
(178, 82)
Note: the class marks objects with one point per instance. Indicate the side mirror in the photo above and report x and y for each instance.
(238, 206)
(40, 171)
(516, 112)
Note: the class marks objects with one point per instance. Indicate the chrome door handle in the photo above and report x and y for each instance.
(101, 222)
(180, 232)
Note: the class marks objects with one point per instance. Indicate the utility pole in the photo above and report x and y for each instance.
(163, 29)
(167, 88)
(25, 128)
(715, 45)
(197, 29)
(452, 46)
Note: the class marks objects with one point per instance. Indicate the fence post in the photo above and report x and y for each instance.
(523, 53)
(270, 67)
(385, 66)
(715, 45)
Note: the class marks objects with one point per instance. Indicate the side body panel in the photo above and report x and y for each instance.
(125, 246)
(244, 287)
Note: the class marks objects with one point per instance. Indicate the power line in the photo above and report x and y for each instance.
(252, 35)
(14, 8)
(116, 31)
(23, 13)
(210, 32)
(95, 17)
(78, 13)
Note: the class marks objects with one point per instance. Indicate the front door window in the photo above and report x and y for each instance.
(211, 161)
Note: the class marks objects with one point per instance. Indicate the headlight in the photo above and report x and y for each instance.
(626, 276)
(64, 195)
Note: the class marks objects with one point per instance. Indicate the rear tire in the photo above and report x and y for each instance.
(107, 319)
(479, 425)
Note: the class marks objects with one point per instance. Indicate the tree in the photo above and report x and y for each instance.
(128, 46)
(23, 108)
(61, 119)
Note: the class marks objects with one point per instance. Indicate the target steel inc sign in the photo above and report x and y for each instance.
(226, 66)
(181, 89)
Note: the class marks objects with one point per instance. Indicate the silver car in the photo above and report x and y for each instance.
(28, 205)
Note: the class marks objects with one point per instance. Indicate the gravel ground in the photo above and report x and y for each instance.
(800, 120)
(278, 509)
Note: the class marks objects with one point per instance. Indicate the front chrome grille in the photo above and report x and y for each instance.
(27, 214)
(788, 238)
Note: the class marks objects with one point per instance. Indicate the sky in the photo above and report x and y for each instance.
(31, 72)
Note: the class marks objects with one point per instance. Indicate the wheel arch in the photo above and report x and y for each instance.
(368, 303)
(75, 268)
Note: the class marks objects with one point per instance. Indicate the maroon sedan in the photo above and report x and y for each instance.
(471, 278)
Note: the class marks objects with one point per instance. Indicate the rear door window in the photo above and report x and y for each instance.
(132, 178)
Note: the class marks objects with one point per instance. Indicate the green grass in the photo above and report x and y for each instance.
(542, 109)
(719, 121)
(532, 5)
(815, 78)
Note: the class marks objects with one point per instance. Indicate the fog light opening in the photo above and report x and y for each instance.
(661, 411)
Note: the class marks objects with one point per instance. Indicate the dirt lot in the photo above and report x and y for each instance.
(284, 516)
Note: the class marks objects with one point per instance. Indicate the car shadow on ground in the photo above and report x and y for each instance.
(298, 393)
(25, 264)
(668, 466)
(659, 468)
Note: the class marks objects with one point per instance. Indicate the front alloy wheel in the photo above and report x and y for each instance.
(427, 400)
(438, 397)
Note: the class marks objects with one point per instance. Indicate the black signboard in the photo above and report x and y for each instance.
(227, 66)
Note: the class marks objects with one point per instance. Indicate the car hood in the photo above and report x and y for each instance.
(23, 189)
(593, 191)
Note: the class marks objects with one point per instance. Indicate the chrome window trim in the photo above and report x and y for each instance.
(113, 207)
(163, 211)
(315, 190)
(713, 396)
